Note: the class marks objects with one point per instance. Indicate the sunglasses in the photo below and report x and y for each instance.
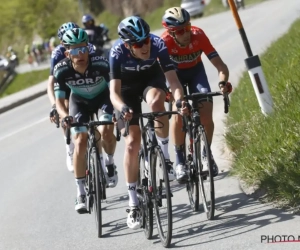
(140, 44)
(180, 32)
(76, 51)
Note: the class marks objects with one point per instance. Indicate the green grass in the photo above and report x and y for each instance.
(267, 149)
(25, 80)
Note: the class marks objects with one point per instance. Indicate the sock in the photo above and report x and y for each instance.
(109, 159)
(164, 145)
(179, 154)
(133, 200)
(80, 183)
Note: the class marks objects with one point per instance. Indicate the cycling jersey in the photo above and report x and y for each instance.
(88, 85)
(124, 66)
(187, 61)
(95, 35)
(190, 56)
(59, 53)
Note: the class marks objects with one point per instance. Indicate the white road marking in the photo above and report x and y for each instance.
(24, 128)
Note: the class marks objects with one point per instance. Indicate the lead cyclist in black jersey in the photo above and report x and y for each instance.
(87, 77)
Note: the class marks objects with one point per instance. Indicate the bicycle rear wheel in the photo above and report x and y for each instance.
(161, 196)
(203, 156)
(144, 199)
(98, 190)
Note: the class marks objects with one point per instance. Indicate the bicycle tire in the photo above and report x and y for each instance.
(205, 176)
(192, 185)
(89, 181)
(158, 195)
(98, 190)
(145, 202)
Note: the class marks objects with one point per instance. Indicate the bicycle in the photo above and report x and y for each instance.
(198, 157)
(153, 192)
(96, 178)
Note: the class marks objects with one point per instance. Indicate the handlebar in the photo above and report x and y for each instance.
(82, 124)
(196, 96)
(149, 116)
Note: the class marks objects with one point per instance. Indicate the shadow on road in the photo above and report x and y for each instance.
(238, 214)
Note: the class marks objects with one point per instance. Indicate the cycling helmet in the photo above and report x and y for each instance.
(66, 26)
(87, 18)
(75, 36)
(133, 29)
(175, 17)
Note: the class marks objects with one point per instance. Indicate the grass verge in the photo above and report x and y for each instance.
(25, 80)
(267, 149)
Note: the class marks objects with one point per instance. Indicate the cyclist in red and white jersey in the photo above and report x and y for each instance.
(185, 45)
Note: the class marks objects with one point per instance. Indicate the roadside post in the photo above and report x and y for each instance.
(254, 67)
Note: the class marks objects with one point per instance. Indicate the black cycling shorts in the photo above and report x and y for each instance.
(81, 109)
(133, 92)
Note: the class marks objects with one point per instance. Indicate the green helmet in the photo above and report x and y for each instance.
(74, 36)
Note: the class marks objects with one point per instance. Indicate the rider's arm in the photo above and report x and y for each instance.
(115, 94)
(50, 90)
(175, 85)
(60, 94)
(115, 79)
(213, 56)
(50, 86)
(221, 67)
(61, 107)
(168, 68)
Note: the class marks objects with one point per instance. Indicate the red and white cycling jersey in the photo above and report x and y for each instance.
(190, 56)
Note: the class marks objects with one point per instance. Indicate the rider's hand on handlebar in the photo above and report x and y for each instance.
(126, 113)
(53, 113)
(66, 121)
(225, 87)
(182, 107)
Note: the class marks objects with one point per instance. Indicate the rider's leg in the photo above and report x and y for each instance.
(200, 84)
(70, 147)
(154, 94)
(79, 111)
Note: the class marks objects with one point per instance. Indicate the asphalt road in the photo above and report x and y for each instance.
(37, 192)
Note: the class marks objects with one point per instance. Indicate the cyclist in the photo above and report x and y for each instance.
(135, 72)
(185, 45)
(87, 76)
(57, 55)
(98, 35)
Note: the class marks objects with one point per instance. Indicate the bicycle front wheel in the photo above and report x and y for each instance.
(97, 190)
(161, 196)
(144, 198)
(203, 156)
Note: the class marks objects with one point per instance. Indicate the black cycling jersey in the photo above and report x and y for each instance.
(94, 81)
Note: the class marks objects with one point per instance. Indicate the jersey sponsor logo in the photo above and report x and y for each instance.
(116, 51)
(174, 50)
(139, 67)
(160, 44)
(98, 58)
(103, 107)
(132, 188)
(86, 81)
(56, 53)
(91, 48)
(60, 64)
(186, 58)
